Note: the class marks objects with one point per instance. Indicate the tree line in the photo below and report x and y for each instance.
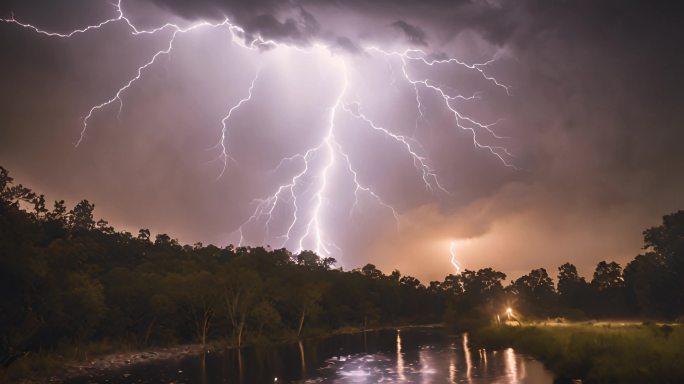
(69, 280)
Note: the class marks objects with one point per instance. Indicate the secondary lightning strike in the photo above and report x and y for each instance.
(224, 156)
(420, 162)
(358, 187)
(422, 56)
(328, 148)
(452, 251)
(119, 93)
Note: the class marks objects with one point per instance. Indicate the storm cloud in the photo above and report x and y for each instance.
(592, 118)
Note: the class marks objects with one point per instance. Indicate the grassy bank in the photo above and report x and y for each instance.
(604, 353)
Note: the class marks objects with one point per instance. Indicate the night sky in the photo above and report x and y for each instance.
(592, 120)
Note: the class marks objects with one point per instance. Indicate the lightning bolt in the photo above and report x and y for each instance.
(452, 251)
(331, 152)
(224, 156)
(420, 162)
(305, 194)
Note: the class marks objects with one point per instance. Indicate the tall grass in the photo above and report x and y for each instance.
(597, 354)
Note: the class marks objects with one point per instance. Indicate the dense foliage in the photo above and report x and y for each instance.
(67, 279)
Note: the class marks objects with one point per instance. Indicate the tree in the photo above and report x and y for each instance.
(573, 289)
(81, 216)
(265, 316)
(535, 292)
(308, 259)
(485, 282)
(667, 240)
(5, 182)
(39, 209)
(409, 282)
(607, 276)
(201, 296)
(328, 262)
(80, 302)
(144, 234)
(652, 286)
(165, 242)
(452, 284)
(655, 280)
(371, 271)
(609, 294)
(308, 300)
(242, 291)
(104, 227)
(58, 211)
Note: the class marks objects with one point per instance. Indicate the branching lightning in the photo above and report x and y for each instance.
(224, 156)
(306, 194)
(462, 121)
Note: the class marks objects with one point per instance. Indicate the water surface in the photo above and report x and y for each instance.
(416, 355)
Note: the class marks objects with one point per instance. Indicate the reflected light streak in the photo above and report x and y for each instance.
(302, 357)
(468, 359)
(452, 367)
(511, 366)
(483, 355)
(400, 358)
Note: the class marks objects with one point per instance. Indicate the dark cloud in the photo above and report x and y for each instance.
(414, 34)
(345, 44)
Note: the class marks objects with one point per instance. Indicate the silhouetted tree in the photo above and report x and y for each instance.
(655, 280)
(81, 217)
(608, 285)
(535, 293)
(573, 290)
(371, 271)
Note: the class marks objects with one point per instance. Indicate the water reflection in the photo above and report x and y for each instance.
(511, 366)
(203, 369)
(400, 358)
(468, 358)
(452, 368)
(302, 357)
(432, 358)
(408, 356)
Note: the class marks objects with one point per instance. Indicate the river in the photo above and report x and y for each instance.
(410, 355)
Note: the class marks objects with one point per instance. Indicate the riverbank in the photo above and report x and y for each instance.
(605, 353)
(55, 367)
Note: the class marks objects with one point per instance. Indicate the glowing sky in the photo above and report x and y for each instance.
(590, 118)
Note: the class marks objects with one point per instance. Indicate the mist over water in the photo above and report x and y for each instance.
(389, 356)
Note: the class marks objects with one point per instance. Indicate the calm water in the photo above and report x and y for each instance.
(390, 356)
